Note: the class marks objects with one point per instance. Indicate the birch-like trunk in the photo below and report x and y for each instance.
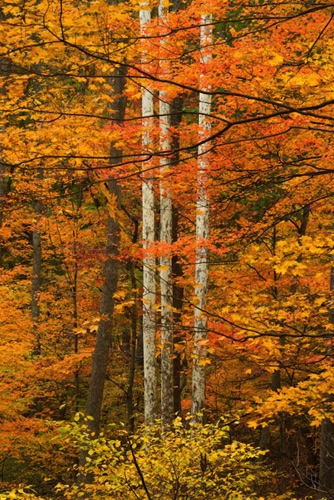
(202, 232)
(149, 285)
(166, 282)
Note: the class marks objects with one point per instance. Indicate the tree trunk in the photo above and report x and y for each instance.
(326, 474)
(326, 462)
(180, 360)
(131, 342)
(166, 282)
(74, 285)
(202, 233)
(132, 366)
(104, 332)
(36, 269)
(2, 191)
(149, 285)
(265, 431)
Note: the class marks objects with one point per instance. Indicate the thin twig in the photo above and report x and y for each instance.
(139, 470)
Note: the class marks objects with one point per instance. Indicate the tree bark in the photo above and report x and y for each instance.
(326, 473)
(166, 282)
(132, 340)
(2, 191)
(104, 332)
(133, 348)
(202, 233)
(36, 269)
(74, 285)
(180, 360)
(326, 462)
(149, 266)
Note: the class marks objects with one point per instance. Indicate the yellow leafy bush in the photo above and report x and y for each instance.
(187, 462)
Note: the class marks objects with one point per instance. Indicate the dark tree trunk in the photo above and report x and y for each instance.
(179, 355)
(36, 270)
(74, 286)
(132, 365)
(326, 461)
(104, 333)
(326, 475)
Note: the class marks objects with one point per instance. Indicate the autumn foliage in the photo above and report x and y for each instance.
(267, 148)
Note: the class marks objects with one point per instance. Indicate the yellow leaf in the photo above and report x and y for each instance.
(275, 59)
(202, 342)
(204, 362)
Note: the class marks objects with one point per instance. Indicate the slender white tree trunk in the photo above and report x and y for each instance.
(202, 232)
(149, 286)
(166, 283)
